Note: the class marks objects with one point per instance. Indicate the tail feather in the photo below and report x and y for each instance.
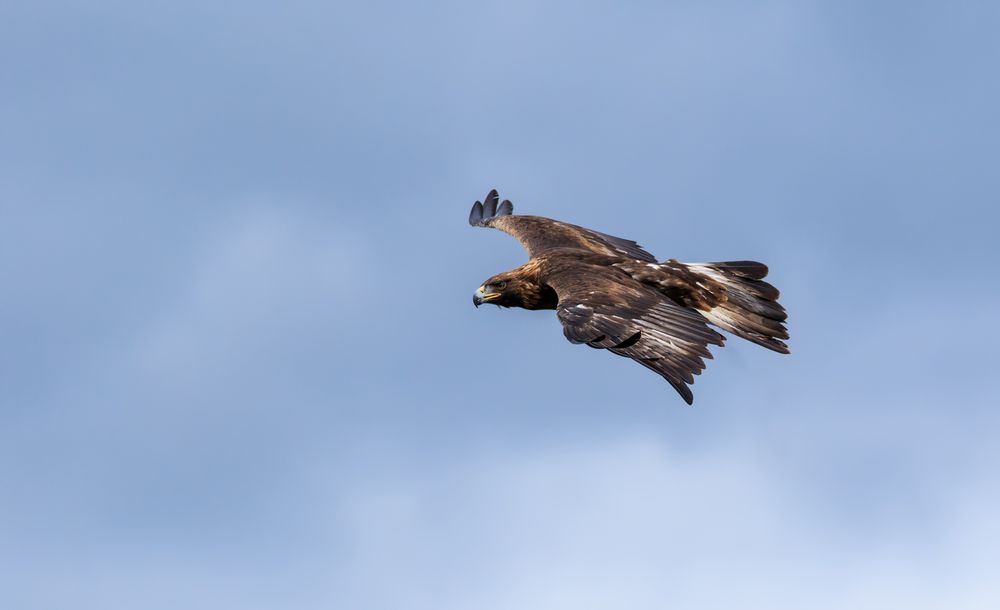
(751, 309)
(748, 269)
(763, 305)
(758, 288)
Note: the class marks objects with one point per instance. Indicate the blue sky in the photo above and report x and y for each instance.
(240, 367)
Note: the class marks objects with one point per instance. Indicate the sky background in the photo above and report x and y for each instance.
(240, 368)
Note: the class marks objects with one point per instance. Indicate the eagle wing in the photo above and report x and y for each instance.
(608, 310)
(538, 234)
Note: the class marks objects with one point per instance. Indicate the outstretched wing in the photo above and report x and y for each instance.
(605, 309)
(538, 234)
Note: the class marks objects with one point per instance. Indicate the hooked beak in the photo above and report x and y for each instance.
(481, 296)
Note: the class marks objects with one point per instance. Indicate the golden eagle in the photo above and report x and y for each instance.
(611, 294)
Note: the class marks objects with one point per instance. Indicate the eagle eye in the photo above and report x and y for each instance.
(499, 285)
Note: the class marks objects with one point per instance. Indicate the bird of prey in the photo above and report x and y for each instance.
(611, 294)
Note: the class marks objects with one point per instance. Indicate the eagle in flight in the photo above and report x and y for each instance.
(611, 294)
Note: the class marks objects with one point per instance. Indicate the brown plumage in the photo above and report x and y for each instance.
(611, 294)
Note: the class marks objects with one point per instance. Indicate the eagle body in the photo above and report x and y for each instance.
(609, 293)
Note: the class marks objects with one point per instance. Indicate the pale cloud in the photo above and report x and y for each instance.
(631, 524)
(623, 522)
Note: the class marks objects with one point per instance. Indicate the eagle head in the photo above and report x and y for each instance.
(497, 290)
(516, 288)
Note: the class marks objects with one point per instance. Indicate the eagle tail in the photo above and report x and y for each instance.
(751, 309)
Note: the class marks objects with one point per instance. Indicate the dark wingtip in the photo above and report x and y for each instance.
(490, 204)
(476, 215)
(483, 212)
(686, 393)
(683, 390)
